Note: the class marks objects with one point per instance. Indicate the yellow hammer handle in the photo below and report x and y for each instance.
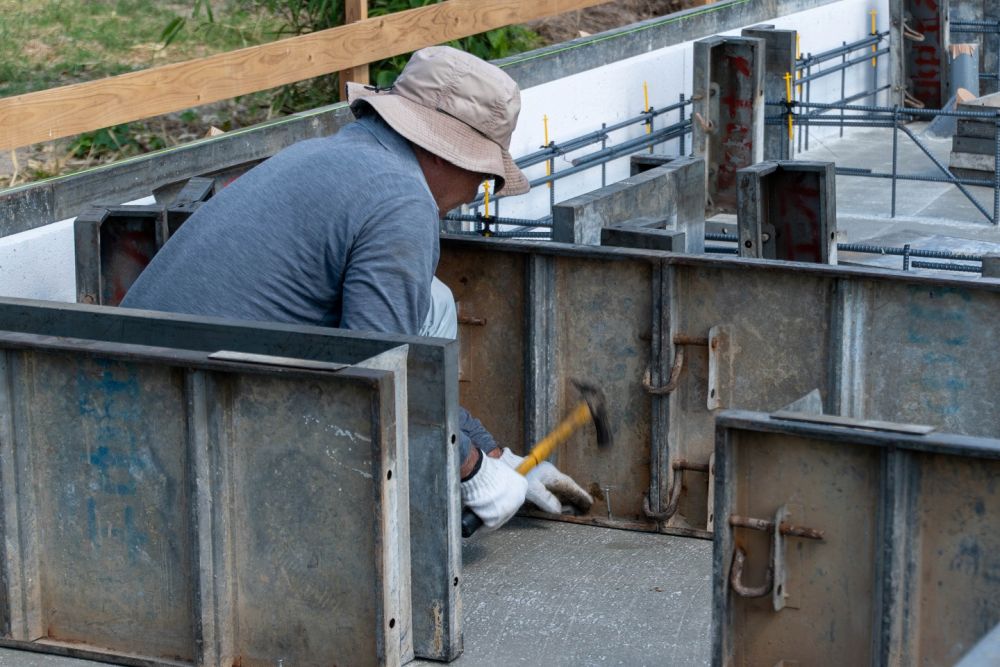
(541, 451)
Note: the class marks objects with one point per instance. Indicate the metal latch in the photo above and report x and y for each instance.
(775, 582)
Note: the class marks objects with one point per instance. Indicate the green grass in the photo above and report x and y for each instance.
(48, 43)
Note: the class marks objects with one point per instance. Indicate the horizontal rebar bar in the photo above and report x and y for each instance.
(947, 267)
(823, 56)
(855, 171)
(869, 249)
(991, 115)
(844, 65)
(662, 134)
(497, 220)
(554, 148)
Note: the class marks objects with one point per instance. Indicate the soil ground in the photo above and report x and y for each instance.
(40, 161)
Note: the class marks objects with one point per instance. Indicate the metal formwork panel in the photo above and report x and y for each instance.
(113, 246)
(921, 27)
(771, 347)
(671, 192)
(886, 547)
(433, 422)
(539, 319)
(788, 210)
(180, 508)
(779, 60)
(605, 339)
(921, 353)
(728, 113)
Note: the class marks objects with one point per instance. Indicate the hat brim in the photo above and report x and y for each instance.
(444, 136)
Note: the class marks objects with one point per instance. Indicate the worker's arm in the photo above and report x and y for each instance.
(390, 267)
(548, 488)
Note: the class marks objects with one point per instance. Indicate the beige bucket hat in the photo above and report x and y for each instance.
(456, 106)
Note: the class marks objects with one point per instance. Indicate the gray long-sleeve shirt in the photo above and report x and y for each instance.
(340, 231)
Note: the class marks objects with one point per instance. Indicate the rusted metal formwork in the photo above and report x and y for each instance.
(673, 339)
(115, 243)
(113, 246)
(920, 75)
(841, 541)
(432, 410)
(779, 60)
(788, 210)
(177, 507)
(672, 192)
(727, 127)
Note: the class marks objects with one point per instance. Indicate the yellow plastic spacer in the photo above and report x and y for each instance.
(874, 13)
(798, 54)
(788, 97)
(486, 198)
(645, 101)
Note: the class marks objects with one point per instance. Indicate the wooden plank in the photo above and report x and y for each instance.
(354, 11)
(69, 110)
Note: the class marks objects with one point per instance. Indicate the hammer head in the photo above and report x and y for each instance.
(598, 410)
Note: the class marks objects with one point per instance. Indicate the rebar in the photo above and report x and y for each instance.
(841, 50)
(869, 108)
(497, 220)
(947, 267)
(868, 173)
(657, 136)
(836, 68)
(554, 149)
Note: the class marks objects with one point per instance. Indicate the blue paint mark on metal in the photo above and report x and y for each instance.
(92, 521)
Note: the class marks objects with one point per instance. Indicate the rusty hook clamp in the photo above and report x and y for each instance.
(778, 529)
(680, 341)
(679, 467)
(736, 577)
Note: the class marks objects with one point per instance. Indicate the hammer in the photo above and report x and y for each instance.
(591, 407)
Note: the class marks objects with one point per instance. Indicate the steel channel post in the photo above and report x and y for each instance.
(996, 171)
(681, 120)
(801, 127)
(895, 142)
(808, 96)
(843, 88)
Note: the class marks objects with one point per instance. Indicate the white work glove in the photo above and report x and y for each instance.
(548, 488)
(494, 492)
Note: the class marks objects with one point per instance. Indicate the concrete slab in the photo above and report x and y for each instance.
(550, 593)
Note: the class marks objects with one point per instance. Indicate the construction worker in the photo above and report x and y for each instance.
(342, 231)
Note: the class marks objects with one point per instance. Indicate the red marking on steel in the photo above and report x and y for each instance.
(734, 103)
(131, 257)
(930, 4)
(741, 64)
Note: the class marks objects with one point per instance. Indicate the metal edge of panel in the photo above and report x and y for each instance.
(125, 326)
(173, 356)
(722, 542)
(36, 204)
(934, 442)
(660, 353)
(735, 263)
(539, 356)
(384, 453)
